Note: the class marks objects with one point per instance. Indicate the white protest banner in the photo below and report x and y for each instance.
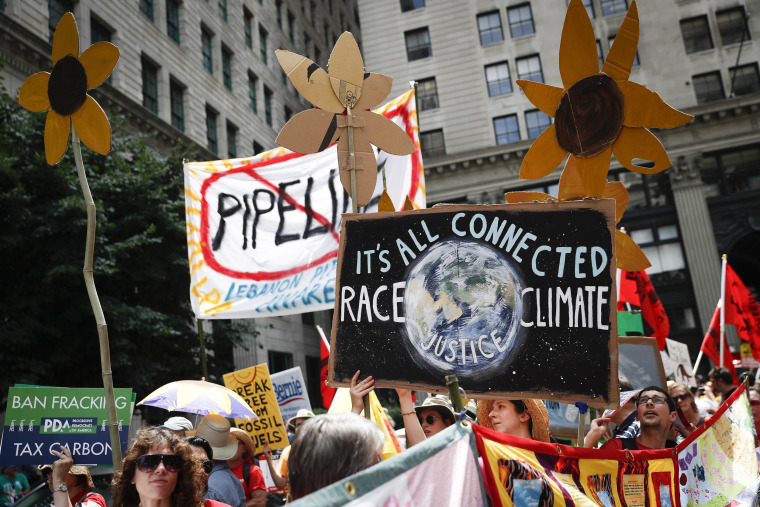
(263, 231)
(679, 356)
(290, 389)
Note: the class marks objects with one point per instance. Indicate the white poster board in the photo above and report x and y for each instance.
(679, 357)
(290, 390)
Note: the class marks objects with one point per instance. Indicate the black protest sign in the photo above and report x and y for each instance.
(516, 300)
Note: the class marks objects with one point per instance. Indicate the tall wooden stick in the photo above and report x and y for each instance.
(354, 206)
(100, 320)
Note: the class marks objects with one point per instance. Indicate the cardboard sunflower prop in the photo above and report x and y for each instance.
(597, 114)
(64, 92)
(343, 97)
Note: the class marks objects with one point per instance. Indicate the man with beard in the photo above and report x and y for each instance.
(656, 412)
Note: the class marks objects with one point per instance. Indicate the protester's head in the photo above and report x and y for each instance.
(682, 395)
(10, 471)
(179, 425)
(754, 403)
(215, 429)
(246, 449)
(520, 418)
(203, 456)
(722, 380)
(330, 447)
(157, 466)
(295, 422)
(77, 480)
(655, 409)
(435, 415)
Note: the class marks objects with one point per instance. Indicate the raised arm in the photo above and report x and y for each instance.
(414, 433)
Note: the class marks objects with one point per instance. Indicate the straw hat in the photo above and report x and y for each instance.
(440, 404)
(250, 449)
(216, 430)
(535, 408)
(75, 470)
(178, 423)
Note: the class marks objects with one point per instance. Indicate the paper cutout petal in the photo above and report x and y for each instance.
(346, 70)
(645, 108)
(577, 49)
(376, 88)
(408, 205)
(543, 157)
(385, 204)
(33, 94)
(545, 97)
(640, 143)
(364, 163)
(616, 190)
(593, 171)
(295, 135)
(570, 182)
(92, 127)
(520, 197)
(385, 134)
(57, 129)
(628, 255)
(623, 51)
(310, 80)
(65, 38)
(98, 61)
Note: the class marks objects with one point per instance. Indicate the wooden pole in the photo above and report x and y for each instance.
(100, 320)
(202, 341)
(452, 382)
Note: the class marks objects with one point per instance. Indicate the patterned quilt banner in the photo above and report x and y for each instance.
(263, 231)
(716, 465)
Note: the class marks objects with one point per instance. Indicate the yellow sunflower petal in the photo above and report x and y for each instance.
(616, 190)
(408, 205)
(645, 108)
(518, 197)
(544, 97)
(639, 143)
(33, 94)
(385, 204)
(98, 61)
(346, 70)
(619, 60)
(628, 255)
(593, 171)
(570, 182)
(577, 48)
(92, 127)
(543, 156)
(57, 129)
(65, 38)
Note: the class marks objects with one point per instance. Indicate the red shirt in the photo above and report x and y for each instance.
(256, 481)
(214, 503)
(94, 500)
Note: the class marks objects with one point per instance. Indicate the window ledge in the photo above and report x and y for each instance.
(523, 37)
(492, 44)
(701, 52)
(736, 44)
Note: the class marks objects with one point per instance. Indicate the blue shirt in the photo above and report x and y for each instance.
(224, 486)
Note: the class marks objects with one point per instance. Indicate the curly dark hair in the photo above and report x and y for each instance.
(189, 489)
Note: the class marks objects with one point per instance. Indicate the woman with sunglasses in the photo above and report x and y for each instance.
(158, 470)
(681, 394)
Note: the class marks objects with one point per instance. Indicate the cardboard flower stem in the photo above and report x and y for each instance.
(100, 320)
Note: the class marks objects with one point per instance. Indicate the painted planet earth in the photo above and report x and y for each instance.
(462, 306)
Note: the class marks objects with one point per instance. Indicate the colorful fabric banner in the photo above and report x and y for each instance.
(441, 471)
(711, 345)
(637, 291)
(742, 310)
(263, 231)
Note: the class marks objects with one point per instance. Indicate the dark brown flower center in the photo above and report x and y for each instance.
(67, 88)
(589, 116)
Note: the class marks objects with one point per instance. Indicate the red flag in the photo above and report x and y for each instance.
(328, 393)
(742, 310)
(711, 345)
(637, 291)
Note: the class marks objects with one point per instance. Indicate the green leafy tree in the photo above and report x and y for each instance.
(48, 334)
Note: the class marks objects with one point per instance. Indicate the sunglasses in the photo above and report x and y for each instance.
(657, 400)
(429, 419)
(149, 462)
(207, 465)
(681, 397)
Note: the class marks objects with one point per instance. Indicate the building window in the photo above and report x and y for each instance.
(247, 27)
(172, 20)
(744, 79)
(150, 85)
(263, 43)
(257, 148)
(278, 9)
(227, 68)
(291, 31)
(268, 105)
(56, 10)
(211, 140)
(506, 129)
(489, 26)
(279, 361)
(427, 94)
(253, 83)
(662, 247)
(417, 44)
(731, 172)
(231, 140)
(645, 191)
(177, 100)
(610, 7)
(288, 113)
(529, 68)
(317, 55)
(536, 121)
(611, 39)
(411, 5)
(208, 57)
(497, 78)
(520, 20)
(223, 9)
(98, 31)
(599, 53)
(146, 7)
(708, 87)
(732, 25)
(696, 34)
(326, 31)
(432, 144)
